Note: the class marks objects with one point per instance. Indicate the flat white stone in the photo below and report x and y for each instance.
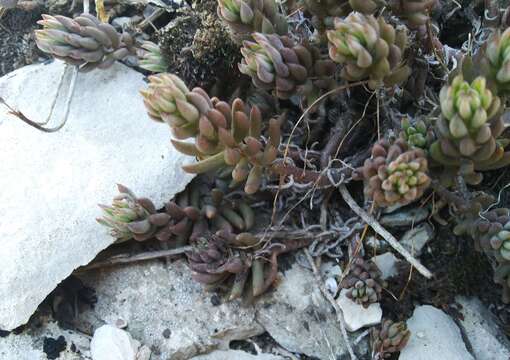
(387, 264)
(434, 335)
(112, 343)
(487, 339)
(415, 239)
(355, 315)
(298, 317)
(166, 310)
(51, 183)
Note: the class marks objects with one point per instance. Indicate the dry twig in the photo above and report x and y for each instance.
(128, 259)
(382, 231)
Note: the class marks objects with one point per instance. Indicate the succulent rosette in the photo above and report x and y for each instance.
(245, 17)
(83, 41)
(277, 63)
(497, 60)
(369, 48)
(150, 58)
(390, 338)
(363, 282)
(394, 174)
(469, 129)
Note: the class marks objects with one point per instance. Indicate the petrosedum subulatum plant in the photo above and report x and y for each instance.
(370, 49)
(250, 16)
(240, 263)
(277, 63)
(497, 61)
(415, 12)
(469, 129)
(388, 339)
(363, 282)
(416, 135)
(324, 11)
(83, 41)
(194, 212)
(227, 137)
(150, 58)
(491, 233)
(216, 263)
(394, 174)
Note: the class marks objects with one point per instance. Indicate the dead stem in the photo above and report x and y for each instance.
(369, 219)
(128, 259)
(329, 297)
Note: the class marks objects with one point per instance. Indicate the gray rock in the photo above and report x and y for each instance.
(166, 310)
(387, 264)
(356, 316)
(434, 336)
(415, 239)
(488, 342)
(236, 355)
(51, 183)
(29, 344)
(404, 217)
(297, 316)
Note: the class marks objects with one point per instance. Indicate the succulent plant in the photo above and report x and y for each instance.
(394, 174)
(497, 60)
(227, 137)
(231, 261)
(245, 156)
(245, 17)
(416, 135)
(129, 217)
(192, 213)
(491, 232)
(277, 63)
(83, 41)
(390, 338)
(468, 130)
(324, 11)
(500, 243)
(369, 48)
(150, 58)
(363, 283)
(415, 12)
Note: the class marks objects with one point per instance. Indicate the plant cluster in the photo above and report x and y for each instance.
(249, 153)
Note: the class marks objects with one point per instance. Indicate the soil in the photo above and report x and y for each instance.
(17, 43)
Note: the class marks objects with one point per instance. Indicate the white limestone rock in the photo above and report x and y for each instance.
(355, 315)
(166, 310)
(112, 343)
(298, 317)
(415, 239)
(487, 340)
(29, 345)
(434, 335)
(51, 183)
(387, 264)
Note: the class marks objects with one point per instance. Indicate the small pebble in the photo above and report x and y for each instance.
(331, 285)
(121, 323)
(215, 300)
(167, 333)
